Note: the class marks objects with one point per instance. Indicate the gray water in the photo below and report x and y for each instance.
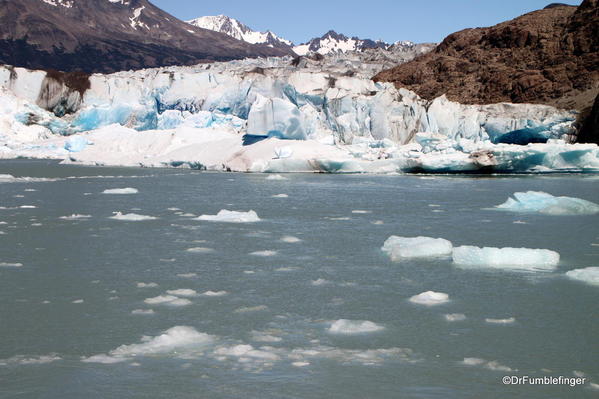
(337, 271)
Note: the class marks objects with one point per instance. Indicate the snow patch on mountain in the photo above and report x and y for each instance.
(335, 43)
(238, 30)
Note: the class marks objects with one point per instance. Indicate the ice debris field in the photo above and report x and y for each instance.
(273, 115)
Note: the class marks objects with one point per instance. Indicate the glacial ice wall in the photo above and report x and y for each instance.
(271, 97)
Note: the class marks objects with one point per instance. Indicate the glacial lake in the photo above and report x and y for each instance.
(172, 307)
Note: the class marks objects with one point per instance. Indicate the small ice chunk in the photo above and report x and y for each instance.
(290, 239)
(142, 311)
(227, 216)
(511, 320)
(200, 250)
(455, 317)
(168, 300)
(185, 292)
(589, 275)
(5, 264)
(265, 253)
(506, 258)
(75, 216)
(491, 365)
(78, 301)
(344, 326)
(147, 285)
(28, 207)
(399, 248)
(360, 212)
(215, 293)
(121, 191)
(280, 196)
(131, 217)
(541, 202)
(300, 364)
(187, 275)
(320, 281)
(276, 177)
(430, 298)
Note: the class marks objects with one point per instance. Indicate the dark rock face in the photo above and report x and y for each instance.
(589, 131)
(550, 56)
(104, 36)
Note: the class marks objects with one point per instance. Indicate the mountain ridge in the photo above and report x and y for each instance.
(108, 36)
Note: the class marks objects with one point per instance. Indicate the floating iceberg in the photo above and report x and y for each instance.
(185, 292)
(172, 341)
(589, 275)
(168, 300)
(349, 327)
(227, 216)
(506, 258)
(75, 217)
(430, 298)
(455, 317)
(510, 320)
(132, 217)
(117, 191)
(537, 201)
(5, 264)
(399, 248)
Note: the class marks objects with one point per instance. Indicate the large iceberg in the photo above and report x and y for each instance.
(535, 201)
(506, 258)
(273, 115)
(399, 248)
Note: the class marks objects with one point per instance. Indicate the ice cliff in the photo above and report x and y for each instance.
(277, 115)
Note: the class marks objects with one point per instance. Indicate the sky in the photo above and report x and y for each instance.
(389, 20)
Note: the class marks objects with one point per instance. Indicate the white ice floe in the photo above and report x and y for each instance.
(290, 239)
(280, 196)
(350, 327)
(187, 275)
(11, 265)
(78, 301)
(168, 300)
(121, 191)
(131, 217)
(265, 253)
(184, 292)
(275, 177)
(399, 248)
(75, 216)
(22, 360)
(455, 317)
(13, 179)
(28, 207)
(320, 281)
(170, 342)
(260, 336)
(200, 250)
(589, 275)
(430, 298)
(147, 285)
(360, 212)
(537, 201)
(227, 216)
(142, 311)
(506, 258)
(510, 320)
(215, 293)
(491, 365)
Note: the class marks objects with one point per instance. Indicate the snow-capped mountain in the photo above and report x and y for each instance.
(333, 42)
(240, 31)
(109, 35)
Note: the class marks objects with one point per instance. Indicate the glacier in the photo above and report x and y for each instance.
(278, 115)
(399, 248)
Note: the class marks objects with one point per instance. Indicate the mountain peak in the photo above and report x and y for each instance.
(232, 27)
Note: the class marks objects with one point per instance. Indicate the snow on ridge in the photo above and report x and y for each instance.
(238, 30)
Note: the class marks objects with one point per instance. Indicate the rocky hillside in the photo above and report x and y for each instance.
(550, 56)
(109, 35)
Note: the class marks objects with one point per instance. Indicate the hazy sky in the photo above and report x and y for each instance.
(390, 20)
